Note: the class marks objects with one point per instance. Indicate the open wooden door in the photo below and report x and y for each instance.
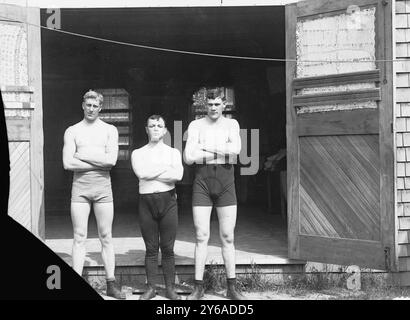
(20, 81)
(340, 132)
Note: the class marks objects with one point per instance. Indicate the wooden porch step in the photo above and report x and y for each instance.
(134, 276)
(180, 289)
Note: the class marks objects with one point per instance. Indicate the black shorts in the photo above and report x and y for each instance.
(214, 184)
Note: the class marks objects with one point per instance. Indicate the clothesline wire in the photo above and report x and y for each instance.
(201, 53)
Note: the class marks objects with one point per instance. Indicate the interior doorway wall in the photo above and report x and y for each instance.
(160, 82)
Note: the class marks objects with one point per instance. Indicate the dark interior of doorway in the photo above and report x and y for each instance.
(163, 82)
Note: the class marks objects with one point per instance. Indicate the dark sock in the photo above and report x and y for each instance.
(151, 269)
(149, 293)
(232, 292)
(171, 293)
(168, 269)
(199, 282)
(113, 291)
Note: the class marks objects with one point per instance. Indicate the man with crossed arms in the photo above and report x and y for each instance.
(90, 151)
(213, 144)
(158, 167)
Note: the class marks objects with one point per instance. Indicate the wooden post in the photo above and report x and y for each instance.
(37, 140)
(291, 136)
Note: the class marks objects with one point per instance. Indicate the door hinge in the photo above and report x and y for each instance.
(387, 258)
(391, 126)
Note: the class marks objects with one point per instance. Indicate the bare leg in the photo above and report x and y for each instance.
(104, 214)
(202, 217)
(227, 222)
(80, 212)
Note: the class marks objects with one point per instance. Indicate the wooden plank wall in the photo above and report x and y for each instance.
(19, 197)
(20, 80)
(402, 69)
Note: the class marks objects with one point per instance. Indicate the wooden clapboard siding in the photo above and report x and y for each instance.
(404, 250)
(340, 183)
(402, 113)
(19, 197)
(403, 237)
(404, 263)
(404, 223)
(404, 278)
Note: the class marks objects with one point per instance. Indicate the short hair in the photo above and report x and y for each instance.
(90, 94)
(215, 92)
(156, 117)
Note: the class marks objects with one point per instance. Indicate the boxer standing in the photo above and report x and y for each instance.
(213, 143)
(90, 151)
(158, 167)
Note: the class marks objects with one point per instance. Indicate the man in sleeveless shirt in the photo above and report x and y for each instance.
(213, 144)
(90, 151)
(158, 167)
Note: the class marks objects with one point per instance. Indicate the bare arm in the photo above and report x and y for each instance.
(69, 149)
(107, 159)
(194, 152)
(144, 171)
(230, 148)
(176, 171)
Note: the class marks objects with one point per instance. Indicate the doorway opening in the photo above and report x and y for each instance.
(164, 83)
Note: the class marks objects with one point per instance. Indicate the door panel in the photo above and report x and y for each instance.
(19, 197)
(339, 186)
(340, 153)
(21, 88)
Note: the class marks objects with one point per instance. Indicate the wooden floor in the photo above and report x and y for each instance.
(260, 238)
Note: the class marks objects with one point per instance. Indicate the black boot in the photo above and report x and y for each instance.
(232, 293)
(149, 294)
(170, 292)
(198, 292)
(114, 292)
